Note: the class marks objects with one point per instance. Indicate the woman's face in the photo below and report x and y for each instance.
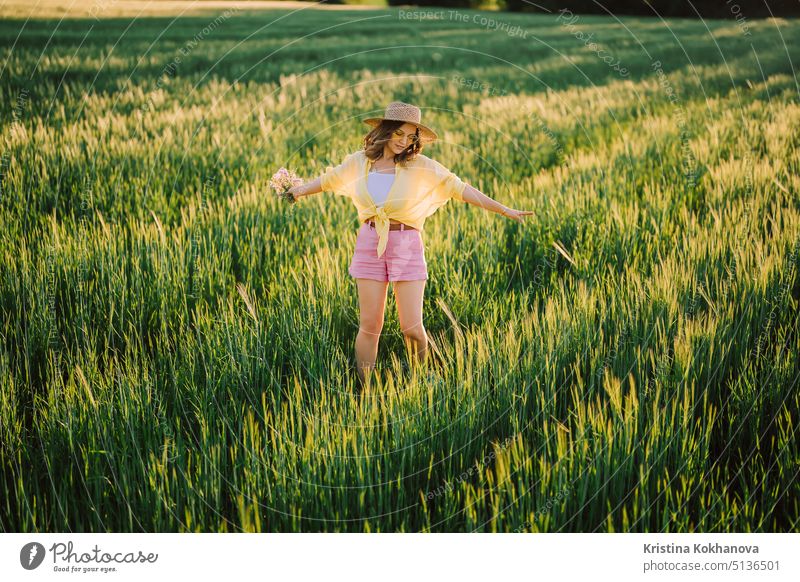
(402, 137)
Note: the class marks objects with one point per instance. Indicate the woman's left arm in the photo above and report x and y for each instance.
(474, 196)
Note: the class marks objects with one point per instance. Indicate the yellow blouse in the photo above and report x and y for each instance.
(421, 186)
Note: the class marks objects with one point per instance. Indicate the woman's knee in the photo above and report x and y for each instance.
(415, 332)
(372, 328)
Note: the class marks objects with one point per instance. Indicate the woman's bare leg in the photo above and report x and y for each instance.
(408, 296)
(372, 305)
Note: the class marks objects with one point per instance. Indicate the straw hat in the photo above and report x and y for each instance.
(399, 111)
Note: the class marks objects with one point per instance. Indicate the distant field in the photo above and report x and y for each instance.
(177, 345)
(103, 9)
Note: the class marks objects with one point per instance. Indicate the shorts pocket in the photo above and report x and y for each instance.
(416, 241)
(365, 240)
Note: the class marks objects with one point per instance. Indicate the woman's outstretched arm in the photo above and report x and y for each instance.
(476, 197)
(336, 179)
(307, 189)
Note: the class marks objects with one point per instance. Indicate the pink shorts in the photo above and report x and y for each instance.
(403, 259)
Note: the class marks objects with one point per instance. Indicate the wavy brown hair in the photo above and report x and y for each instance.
(376, 139)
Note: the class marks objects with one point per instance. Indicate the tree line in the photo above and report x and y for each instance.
(733, 9)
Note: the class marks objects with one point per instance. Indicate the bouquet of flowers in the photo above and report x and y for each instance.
(282, 182)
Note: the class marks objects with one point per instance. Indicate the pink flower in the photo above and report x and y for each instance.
(282, 181)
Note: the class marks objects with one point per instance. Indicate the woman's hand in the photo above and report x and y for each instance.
(517, 215)
(297, 192)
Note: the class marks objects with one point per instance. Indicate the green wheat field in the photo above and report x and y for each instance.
(177, 345)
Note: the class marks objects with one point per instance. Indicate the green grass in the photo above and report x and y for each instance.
(647, 384)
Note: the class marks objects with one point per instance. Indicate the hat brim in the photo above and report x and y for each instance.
(426, 133)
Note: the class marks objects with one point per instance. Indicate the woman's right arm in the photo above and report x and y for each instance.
(307, 189)
(338, 179)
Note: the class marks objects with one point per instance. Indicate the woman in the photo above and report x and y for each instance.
(395, 188)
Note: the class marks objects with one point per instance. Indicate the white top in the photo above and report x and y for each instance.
(378, 185)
